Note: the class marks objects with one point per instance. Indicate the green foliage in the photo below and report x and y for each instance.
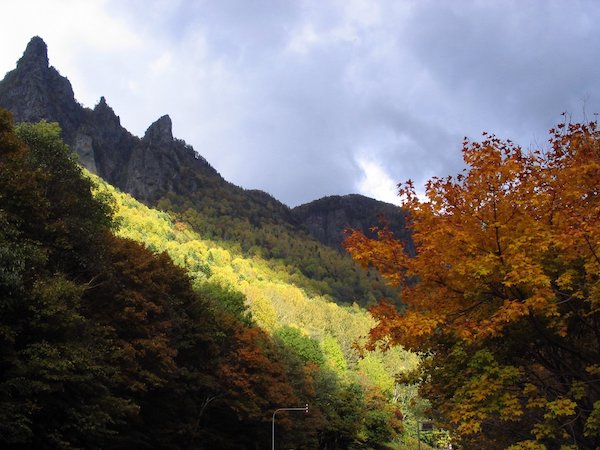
(229, 300)
(303, 346)
(372, 368)
(257, 230)
(344, 408)
(310, 328)
(56, 387)
(334, 357)
(73, 217)
(380, 423)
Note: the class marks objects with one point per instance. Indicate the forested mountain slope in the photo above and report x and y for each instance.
(106, 343)
(163, 171)
(327, 218)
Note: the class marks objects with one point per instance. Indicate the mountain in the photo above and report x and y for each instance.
(328, 217)
(124, 328)
(144, 354)
(163, 171)
(147, 168)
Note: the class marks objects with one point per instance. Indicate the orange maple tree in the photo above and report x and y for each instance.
(504, 291)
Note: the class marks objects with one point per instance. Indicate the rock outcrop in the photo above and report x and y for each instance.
(35, 91)
(147, 168)
(158, 162)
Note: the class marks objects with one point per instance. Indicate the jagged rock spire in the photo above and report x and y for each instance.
(36, 54)
(161, 130)
(148, 168)
(105, 113)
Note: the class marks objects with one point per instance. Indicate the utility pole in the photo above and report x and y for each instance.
(303, 408)
(427, 426)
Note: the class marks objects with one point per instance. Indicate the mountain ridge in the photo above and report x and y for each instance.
(158, 164)
(35, 91)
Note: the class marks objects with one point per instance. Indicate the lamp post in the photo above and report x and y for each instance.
(303, 408)
(427, 426)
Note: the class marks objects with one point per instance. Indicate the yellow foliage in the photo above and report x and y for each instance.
(273, 300)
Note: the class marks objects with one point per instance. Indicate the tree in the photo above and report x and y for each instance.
(334, 357)
(306, 348)
(343, 408)
(504, 291)
(229, 300)
(254, 380)
(107, 344)
(56, 389)
(74, 218)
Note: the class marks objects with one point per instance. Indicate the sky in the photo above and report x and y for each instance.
(309, 98)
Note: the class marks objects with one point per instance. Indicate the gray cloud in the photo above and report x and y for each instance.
(311, 98)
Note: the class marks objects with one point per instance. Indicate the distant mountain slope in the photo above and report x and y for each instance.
(327, 218)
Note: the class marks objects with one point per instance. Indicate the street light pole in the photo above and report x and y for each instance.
(304, 408)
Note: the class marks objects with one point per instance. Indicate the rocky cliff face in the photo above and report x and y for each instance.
(160, 163)
(35, 91)
(147, 168)
(102, 143)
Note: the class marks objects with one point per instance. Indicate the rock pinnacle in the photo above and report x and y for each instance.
(36, 54)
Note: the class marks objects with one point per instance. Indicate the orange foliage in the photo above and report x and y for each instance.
(484, 238)
(504, 291)
(253, 378)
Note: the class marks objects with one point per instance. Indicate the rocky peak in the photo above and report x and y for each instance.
(102, 105)
(160, 131)
(147, 168)
(105, 114)
(156, 165)
(34, 90)
(36, 55)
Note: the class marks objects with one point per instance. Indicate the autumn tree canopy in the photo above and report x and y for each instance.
(504, 292)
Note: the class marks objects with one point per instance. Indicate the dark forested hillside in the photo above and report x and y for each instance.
(329, 217)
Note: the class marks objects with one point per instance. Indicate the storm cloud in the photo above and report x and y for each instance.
(311, 98)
